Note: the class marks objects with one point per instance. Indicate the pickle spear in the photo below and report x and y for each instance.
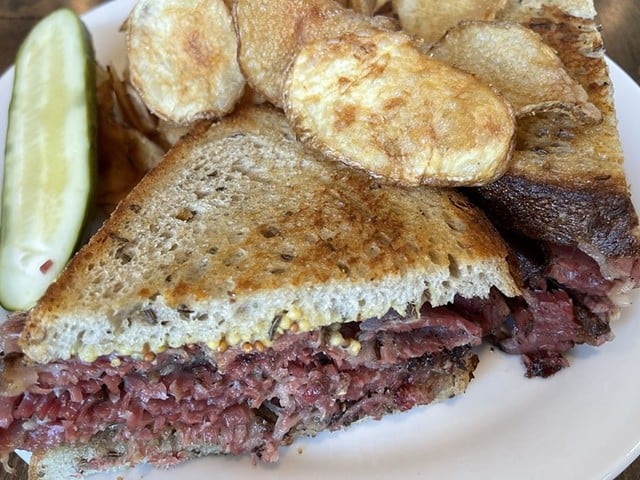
(50, 157)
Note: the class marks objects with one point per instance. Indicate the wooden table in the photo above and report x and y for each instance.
(620, 20)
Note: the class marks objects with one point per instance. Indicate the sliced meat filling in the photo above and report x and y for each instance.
(566, 300)
(244, 400)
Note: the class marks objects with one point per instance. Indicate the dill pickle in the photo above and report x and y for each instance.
(49, 159)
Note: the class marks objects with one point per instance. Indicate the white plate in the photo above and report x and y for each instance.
(583, 423)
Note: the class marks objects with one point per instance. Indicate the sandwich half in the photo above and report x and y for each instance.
(245, 293)
(564, 205)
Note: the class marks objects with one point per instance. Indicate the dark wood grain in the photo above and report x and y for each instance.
(18, 16)
(620, 21)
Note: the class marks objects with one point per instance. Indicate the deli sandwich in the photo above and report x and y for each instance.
(564, 204)
(247, 292)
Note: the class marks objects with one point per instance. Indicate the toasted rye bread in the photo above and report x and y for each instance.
(241, 226)
(560, 171)
(71, 461)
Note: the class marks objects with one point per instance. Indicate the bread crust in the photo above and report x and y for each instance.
(609, 229)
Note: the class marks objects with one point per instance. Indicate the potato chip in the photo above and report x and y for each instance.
(183, 58)
(519, 64)
(272, 31)
(374, 101)
(430, 19)
(366, 7)
(131, 140)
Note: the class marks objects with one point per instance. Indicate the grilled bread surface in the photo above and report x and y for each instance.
(241, 231)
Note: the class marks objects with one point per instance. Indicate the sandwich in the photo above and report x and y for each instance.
(247, 292)
(564, 204)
